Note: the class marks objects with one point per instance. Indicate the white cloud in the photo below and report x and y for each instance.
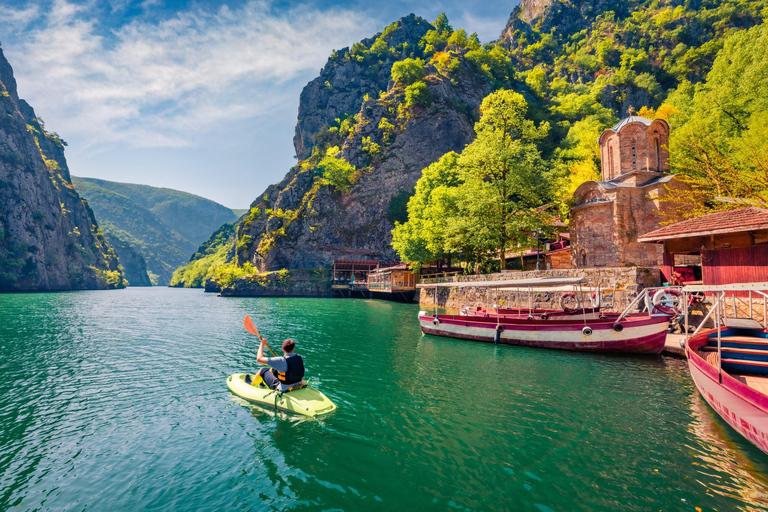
(165, 83)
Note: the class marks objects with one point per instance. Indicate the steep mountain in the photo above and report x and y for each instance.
(382, 131)
(49, 237)
(161, 226)
(385, 108)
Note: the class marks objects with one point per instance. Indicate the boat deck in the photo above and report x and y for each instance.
(757, 382)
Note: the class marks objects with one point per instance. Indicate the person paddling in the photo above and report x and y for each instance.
(284, 373)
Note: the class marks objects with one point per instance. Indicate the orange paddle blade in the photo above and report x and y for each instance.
(248, 323)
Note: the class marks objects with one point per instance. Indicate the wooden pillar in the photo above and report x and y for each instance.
(668, 265)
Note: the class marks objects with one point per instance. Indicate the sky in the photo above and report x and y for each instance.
(200, 96)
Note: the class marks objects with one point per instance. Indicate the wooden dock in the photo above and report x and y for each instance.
(672, 346)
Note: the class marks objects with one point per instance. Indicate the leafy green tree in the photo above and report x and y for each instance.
(721, 147)
(422, 238)
(335, 171)
(503, 171)
(408, 71)
(417, 95)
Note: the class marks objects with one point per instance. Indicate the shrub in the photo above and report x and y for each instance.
(418, 95)
(335, 171)
(408, 71)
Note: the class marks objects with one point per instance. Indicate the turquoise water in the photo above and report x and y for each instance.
(117, 401)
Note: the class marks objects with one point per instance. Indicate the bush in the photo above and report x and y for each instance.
(418, 95)
(408, 71)
(335, 171)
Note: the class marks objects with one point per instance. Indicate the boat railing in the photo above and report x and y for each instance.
(645, 295)
(718, 309)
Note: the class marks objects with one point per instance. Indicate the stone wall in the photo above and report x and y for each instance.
(627, 280)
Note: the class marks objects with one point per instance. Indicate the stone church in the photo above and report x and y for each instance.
(609, 215)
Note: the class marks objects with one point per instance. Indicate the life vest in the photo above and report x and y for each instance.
(295, 371)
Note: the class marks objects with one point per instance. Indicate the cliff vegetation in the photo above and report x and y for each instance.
(504, 132)
(49, 237)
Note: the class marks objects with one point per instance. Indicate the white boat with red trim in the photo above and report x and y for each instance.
(729, 364)
(624, 332)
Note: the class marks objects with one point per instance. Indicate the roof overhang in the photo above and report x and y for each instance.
(697, 234)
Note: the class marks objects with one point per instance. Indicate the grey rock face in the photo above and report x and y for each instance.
(341, 86)
(355, 225)
(565, 16)
(49, 239)
(133, 263)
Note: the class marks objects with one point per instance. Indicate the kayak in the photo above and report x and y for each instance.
(307, 400)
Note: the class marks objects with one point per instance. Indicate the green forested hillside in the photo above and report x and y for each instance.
(561, 73)
(143, 218)
(192, 216)
(581, 67)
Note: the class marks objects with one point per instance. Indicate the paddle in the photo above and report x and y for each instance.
(251, 328)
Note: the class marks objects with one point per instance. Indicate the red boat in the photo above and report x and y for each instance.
(625, 332)
(729, 365)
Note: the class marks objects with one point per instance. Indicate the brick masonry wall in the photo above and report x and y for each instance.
(628, 280)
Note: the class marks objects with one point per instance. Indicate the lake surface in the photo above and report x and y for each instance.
(116, 400)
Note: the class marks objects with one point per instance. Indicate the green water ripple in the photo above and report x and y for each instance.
(117, 401)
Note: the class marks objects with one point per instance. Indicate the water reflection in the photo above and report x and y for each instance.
(740, 476)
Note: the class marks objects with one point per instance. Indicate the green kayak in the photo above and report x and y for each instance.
(307, 401)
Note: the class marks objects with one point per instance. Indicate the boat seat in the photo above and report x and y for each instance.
(743, 323)
(756, 382)
(747, 362)
(736, 350)
(739, 340)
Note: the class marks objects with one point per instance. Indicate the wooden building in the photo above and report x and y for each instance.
(393, 283)
(719, 248)
(556, 255)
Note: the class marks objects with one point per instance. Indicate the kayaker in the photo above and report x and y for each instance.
(283, 373)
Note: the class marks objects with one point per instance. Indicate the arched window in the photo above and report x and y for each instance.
(658, 155)
(634, 156)
(610, 163)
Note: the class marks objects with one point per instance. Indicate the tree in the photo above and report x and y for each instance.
(503, 172)
(422, 238)
(408, 71)
(418, 95)
(721, 147)
(335, 171)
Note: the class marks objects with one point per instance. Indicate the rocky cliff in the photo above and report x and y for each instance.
(302, 222)
(49, 238)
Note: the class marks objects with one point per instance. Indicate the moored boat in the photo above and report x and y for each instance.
(542, 314)
(624, 332)
(637, 333)
(729, 365)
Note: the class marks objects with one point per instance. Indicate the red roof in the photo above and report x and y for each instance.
(732, 221)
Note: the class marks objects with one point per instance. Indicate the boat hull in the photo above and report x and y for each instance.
(306, 401)
(742, 407)
(645, 335)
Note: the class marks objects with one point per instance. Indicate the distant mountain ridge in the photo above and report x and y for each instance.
(162, 226)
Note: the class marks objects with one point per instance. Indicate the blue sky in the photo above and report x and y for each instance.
(199, 96)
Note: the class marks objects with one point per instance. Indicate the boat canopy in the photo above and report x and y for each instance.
(510, 283)
(735, 287)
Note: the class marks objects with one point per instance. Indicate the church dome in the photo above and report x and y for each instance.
(631, 119)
